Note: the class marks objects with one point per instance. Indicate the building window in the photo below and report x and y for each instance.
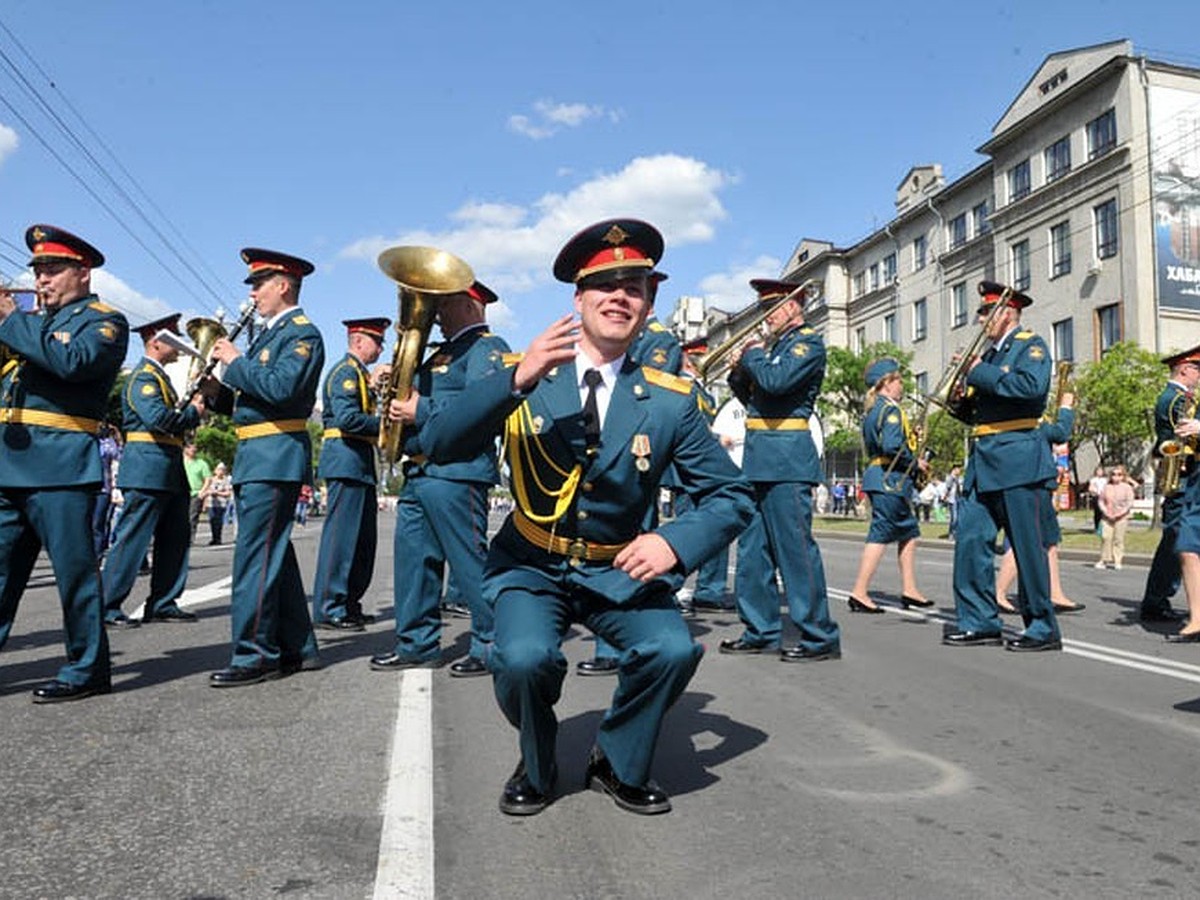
(1019, 183)
(958, 230)
(958, 303)
(1020, 265)
(922, 379)
(1102, 134)
(860, 338)
(979, 219)
(860, 284)
(919, 251)
(889, 328)
(1064, 340)
(889, 269)
(1108, 326)
(920, 320)
(1060, 249)
(873, 277)
(1105, 216)
(1058, 159)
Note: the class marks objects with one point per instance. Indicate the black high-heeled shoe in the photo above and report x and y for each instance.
(857, 606)
(908, 601)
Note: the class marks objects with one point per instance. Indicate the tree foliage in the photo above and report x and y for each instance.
(1115, 406)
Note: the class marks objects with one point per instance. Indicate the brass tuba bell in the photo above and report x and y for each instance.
(423, 275)
(204, 333)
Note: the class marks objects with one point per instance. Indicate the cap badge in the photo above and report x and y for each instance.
(615, 235)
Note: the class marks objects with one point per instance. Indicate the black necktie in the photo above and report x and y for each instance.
(591, 412)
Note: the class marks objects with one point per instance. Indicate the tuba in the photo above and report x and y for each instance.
(717, 362)
(204, 333)
(423, 275)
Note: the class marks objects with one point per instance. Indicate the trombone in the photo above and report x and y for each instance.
(717, 363)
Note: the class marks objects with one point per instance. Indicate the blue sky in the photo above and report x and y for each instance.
(496, 131)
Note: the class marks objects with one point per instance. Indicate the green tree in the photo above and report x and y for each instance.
(1115, 409)
(840, 405)
(216, 440)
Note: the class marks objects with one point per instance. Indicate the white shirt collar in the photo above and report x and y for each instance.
(279, 315)
(604, 391)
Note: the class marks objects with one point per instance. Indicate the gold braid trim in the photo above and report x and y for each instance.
(520, 442)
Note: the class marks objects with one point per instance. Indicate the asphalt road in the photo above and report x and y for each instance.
(906, 769)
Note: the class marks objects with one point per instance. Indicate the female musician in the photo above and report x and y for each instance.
(888, 481)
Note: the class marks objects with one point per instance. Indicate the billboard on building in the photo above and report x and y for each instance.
(1175, 162)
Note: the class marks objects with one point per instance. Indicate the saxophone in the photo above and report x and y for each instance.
(1175, 453)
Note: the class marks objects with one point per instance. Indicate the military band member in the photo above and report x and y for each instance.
(656, 347)
(589, 435)
(154, 487)
(779, 387)
(1187, 540)
(346, 560)
(52, 399)
(1162, 582)
(270, 392)
(890, 443)
(1008, 471)
(442, 512)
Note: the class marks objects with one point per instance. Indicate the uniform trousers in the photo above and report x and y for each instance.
(269, 609)
(780, 537)
(61, 520)
(161, 517)
(438, 522)
(1164, 578)
(346, 560)
(713, 573)
(1021, 512)
(657, 660)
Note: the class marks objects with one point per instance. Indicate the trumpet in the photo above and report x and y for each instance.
(204, 334)
(423, 275)
(717, 363)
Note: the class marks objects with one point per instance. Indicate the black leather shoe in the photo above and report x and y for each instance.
(520, 797)
(456, 610)
(240, 676)
(1062, 608)
(800, 654)
(972, 639)
(469, 667)
(647, 800)
(741, 646)
(907, 601)
(1032, 645)
(60, 691)
(710, 605)
(340, 623)
(1162, 615)
(387, 662)
(857, 606)
(606, 666)
(121, 621)
(1184, 638)
(174, 614)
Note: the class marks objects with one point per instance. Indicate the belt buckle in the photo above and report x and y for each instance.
(577, 551)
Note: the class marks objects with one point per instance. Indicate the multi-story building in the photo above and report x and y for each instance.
(1088, 200)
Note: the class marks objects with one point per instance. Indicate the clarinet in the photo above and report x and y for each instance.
(248, 313)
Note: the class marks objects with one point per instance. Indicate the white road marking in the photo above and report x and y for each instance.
(214, 590)
(406, 842)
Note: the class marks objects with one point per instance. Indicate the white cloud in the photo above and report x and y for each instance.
(549, 118)
(730, 291)
(512, 247)
(138, 308)
(8, 142)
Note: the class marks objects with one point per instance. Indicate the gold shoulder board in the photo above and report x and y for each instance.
(807, 329)
(511, 359)
(657, 326)
(101, 306)
(667, 380)
(302, 320)
(1022, 335)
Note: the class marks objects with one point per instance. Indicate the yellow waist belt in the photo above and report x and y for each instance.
(777, 424)
(49, 420)
(267, 429)
(879, 461)
(576, 548)
(338, 433)
(1007, 425)
(149, 437)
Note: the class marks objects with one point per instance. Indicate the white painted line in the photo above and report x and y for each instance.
(405, 866)
(1132, 664)
(1139, 657)
(214, 590)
